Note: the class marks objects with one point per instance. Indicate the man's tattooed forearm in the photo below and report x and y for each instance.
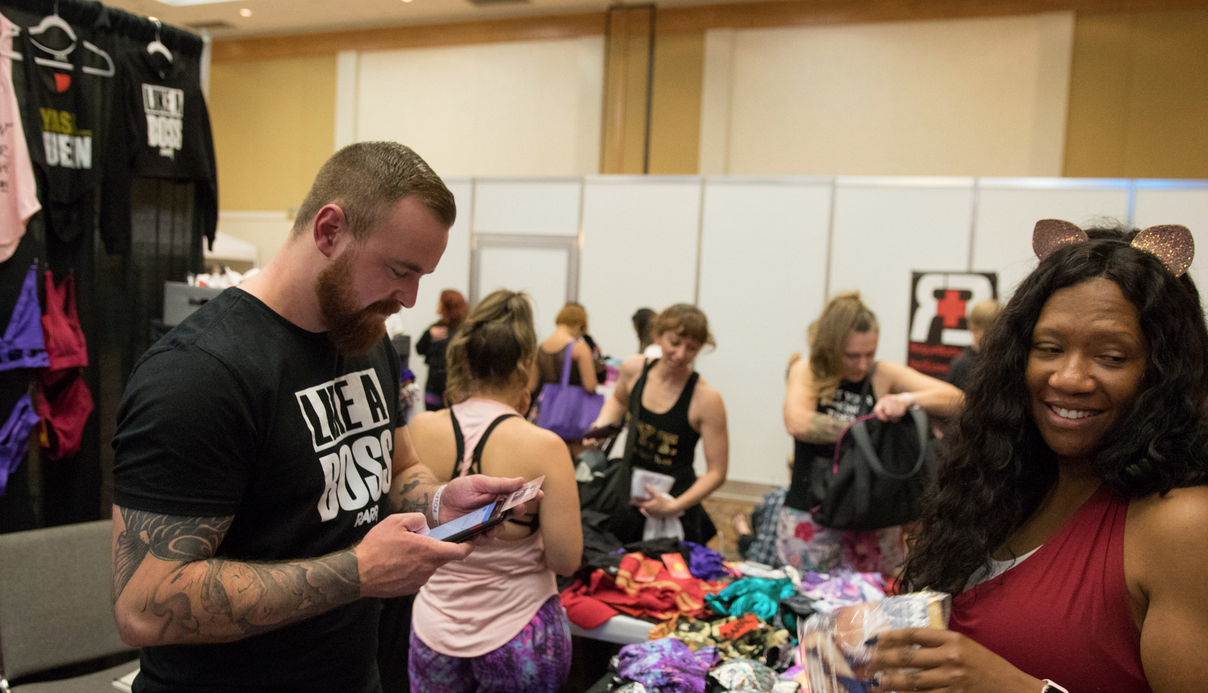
(257, 597)
(414, 496)
(167, 537)
(222, 600)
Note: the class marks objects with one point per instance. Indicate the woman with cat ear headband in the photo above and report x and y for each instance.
(1069, 516)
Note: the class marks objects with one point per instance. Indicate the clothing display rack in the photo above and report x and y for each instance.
(119, 292)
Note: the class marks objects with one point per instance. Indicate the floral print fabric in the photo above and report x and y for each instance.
(808, 546)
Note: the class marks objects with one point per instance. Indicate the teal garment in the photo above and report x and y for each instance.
(758, 596)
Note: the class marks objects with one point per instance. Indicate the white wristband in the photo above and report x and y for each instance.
(436, 504)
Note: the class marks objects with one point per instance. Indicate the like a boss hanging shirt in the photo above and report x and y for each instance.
(161, 130)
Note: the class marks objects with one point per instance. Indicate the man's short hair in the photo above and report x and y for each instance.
(367, 178)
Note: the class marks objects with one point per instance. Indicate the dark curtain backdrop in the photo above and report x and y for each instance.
(120, 297)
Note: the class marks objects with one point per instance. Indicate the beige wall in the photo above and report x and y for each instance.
(981, 97)
(1139, 95)
(273, 123)
(518, 108)
(781, 94)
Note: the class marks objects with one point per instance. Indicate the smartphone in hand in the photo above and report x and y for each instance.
(478, 521)
(471, 524)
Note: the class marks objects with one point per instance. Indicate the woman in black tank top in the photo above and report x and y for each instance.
(677, 410)
(824, 395)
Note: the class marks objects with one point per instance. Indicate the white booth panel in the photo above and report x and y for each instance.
(1008, 209)
(885, 228)
(639, 249)
(539, 272)
(530, 206)
(453, 272)
(1159, 202)
(762, 280)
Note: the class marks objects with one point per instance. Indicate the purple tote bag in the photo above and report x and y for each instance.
(566, 409)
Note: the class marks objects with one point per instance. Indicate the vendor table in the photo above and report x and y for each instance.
(620, 629)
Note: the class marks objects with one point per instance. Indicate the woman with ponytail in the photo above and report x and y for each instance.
(494, 622)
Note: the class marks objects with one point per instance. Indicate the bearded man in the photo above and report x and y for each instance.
(266, 492)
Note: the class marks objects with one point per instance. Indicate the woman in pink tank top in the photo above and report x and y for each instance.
(1070, 517)
(494, 622)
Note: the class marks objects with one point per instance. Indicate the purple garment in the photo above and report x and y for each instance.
(23, 345)
(14, 438)
(704, 563)
(537, 659)
(666, 665)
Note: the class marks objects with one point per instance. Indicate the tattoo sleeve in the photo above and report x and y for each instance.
(414, 492)
(824, 429)
(198, 598)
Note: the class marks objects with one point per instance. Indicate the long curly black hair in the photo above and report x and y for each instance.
(996, 468)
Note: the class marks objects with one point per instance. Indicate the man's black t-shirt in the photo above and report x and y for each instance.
(238, 412)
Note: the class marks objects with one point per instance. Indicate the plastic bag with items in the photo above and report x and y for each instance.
(834, 645)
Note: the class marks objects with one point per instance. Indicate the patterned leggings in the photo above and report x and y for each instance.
(537, 659)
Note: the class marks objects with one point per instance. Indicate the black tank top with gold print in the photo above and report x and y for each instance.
(667, 442)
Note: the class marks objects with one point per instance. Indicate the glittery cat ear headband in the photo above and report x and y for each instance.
(1170, 243)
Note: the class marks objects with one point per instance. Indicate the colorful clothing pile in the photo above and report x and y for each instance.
(736, 637)
(666, 666)
(655, 594)
(752, 596)
(841, 588)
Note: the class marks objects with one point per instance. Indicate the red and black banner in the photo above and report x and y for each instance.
(939, 316)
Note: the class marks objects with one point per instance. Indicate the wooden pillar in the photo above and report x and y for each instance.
(628, 88)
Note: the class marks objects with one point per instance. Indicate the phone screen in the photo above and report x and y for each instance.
(465, 523)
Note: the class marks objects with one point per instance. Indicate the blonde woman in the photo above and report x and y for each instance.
(493, 622)
(569, 327)
(824, 395)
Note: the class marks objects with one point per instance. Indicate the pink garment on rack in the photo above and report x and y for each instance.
(18, 192)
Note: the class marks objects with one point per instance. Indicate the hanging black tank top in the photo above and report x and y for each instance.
(666, 442)
(61, 127)
(847, 404)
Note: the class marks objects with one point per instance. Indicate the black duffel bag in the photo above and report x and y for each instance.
(877, 476)
(608, 490)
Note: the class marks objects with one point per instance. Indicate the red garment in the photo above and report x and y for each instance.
(64, 403)
(1063, 613)
(660, 599)
(584, 610)
(61, 326)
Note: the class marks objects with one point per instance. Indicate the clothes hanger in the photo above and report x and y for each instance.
(156, 46)
(53, 21)
(107, 71)
(12, 34)
(103, 72)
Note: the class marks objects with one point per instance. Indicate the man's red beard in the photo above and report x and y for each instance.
(353, 331)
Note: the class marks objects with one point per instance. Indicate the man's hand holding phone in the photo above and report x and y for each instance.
(478, 523)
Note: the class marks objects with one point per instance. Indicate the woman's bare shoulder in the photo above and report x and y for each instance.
(520, 448)
(1167, 518)
(428, 422)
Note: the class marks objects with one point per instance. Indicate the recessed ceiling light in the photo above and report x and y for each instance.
(406, 0)
(245, 12)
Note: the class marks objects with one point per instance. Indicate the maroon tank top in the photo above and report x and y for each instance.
(1063, 614)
